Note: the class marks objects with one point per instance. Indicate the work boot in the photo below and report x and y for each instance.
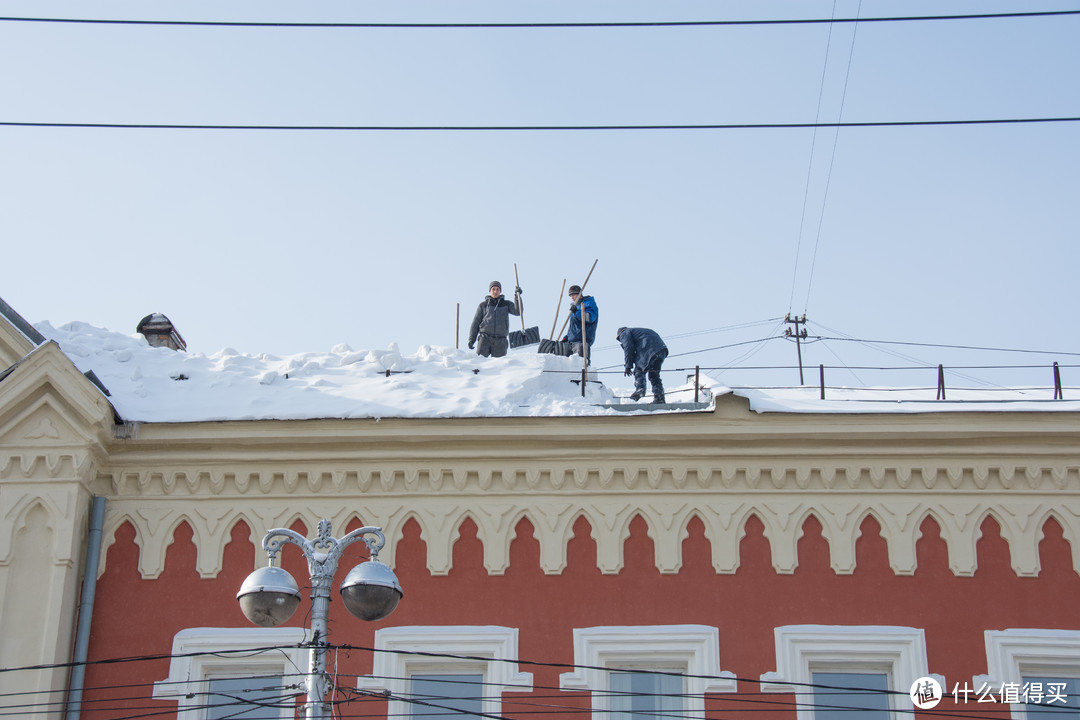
(637, 394)
(658, 398)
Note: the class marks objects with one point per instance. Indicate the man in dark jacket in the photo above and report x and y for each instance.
(581, 305)
(644, 353)
(491, 324)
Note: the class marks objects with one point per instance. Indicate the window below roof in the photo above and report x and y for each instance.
(464, 667)
(1037, 671)
(1046, 697)
(210, 680)
(871, 667)
(837, 695)
(459, 695)
(645, 695)
(647, 671)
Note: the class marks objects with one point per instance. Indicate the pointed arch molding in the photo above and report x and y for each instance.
(54, 426)
(668, 499)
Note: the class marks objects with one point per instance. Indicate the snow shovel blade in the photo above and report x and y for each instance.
(555, 347)
(528, 336)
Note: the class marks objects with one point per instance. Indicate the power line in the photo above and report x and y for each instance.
(532, 701)
(693, 333)
(695, 352)
(901, 355)
(927, 366)
(740, 697)
(810, 160)
(736, 326)
(600, 24)
(532, 128)
(831, 165)
(951, 347)
(870, 342)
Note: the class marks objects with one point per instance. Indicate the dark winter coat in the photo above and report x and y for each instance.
(586, 304)
(641, 347)
(493, 317)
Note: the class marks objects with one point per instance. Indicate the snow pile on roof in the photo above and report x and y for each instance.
(160, 385)
(150, 384)
(907, 400)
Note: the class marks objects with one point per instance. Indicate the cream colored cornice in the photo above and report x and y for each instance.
(721, 467)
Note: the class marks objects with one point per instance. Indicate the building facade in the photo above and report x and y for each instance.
(722, 563)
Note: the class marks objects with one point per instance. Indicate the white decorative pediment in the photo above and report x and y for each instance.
(48, 402)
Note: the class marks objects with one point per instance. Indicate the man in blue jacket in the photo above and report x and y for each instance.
(644, 353)
(579, 305)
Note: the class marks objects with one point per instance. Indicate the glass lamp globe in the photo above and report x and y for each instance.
(269, 596)
(371, 591)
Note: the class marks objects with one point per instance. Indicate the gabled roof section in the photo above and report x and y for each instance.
(17, 337)
(45, 390)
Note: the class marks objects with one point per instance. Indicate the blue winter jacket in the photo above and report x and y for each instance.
(641, 346)
(592, 314)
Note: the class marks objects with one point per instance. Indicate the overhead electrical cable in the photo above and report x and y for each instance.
(851, 338)
(925, 366)
(692, 333)
(810, 161)
(725, 347)
(952, 347)
(239, 652)
(843, 364)
(903, 356)
(831, 165)
(736, 326)
(599, 24)
(694, 352)
(952, 369)
(285, 700)
(751, 352)
(770, 701)
(532, 128)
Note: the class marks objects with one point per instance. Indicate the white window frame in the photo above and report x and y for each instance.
(1013, 653)
(393, 665)
(690, 649)
(801, 650)
(189, 668)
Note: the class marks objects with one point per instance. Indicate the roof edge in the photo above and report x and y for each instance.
(20, 323)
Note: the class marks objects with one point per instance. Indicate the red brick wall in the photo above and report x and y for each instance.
(135, 617)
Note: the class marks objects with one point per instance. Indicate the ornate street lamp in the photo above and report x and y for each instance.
(370, 591)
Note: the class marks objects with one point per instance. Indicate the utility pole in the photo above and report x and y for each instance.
(798, 335)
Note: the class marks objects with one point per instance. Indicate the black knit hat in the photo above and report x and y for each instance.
(494, 284)
(619, 333)
(574, 290)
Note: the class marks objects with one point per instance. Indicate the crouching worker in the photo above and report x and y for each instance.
(644, 353)
(491, 324)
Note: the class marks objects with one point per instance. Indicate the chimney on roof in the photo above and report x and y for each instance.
(160, 332)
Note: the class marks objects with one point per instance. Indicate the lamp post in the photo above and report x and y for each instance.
(269, 596)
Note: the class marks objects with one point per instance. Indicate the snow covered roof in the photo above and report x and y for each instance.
(905, 400)
(156, 384)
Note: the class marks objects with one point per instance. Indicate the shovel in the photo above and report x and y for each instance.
(525, 336)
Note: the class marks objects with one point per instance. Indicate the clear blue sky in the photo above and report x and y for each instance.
(291, 241)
